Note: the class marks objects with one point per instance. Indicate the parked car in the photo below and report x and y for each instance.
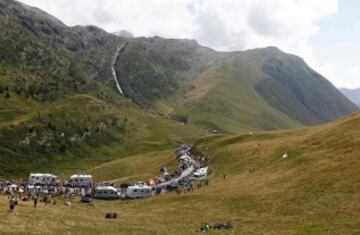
(87, 198)
(200, 174)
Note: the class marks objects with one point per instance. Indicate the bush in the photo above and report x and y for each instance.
(7, 95)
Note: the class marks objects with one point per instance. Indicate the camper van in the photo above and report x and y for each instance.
(200, 173)
(42, 179)
(106, 192)
(80, 181)
(138, 191)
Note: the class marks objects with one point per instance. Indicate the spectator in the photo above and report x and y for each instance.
(35, 199)
(12, 203)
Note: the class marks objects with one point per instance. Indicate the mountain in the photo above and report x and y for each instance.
(352, 94)
(153, 70)
(61, 108)
(61, 112)
(124, 33)
(260, 89)
(264, 88)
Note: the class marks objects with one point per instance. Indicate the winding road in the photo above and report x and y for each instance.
(186, 173)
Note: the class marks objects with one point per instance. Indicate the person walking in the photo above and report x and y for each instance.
(12, 203)
(35, 199)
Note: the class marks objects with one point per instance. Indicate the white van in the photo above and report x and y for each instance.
(80, 181)
(138, 191)
(200, 173)
(42, 179)
(106, 192)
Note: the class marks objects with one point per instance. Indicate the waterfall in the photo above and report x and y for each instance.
(118, 49)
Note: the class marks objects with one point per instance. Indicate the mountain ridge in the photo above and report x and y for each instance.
(352, 94)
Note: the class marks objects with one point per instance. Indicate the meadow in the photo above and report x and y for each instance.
(314, 191)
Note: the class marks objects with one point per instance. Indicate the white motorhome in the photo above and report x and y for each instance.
(106, 192)
(42, 179)
(138, 191)
(12, 188)
(200, 173)
(80, 181)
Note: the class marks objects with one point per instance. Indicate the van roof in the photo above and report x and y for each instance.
(42, 174)
(81, 176)
(105, 188)
(141, 186)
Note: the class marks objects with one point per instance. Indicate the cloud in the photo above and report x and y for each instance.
(355, 72)
(353, 79)
(222, 25)
(329, 71)
(251, 23)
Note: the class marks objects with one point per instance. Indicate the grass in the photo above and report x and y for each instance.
(314, 191)
(71, 115)
(221, 100)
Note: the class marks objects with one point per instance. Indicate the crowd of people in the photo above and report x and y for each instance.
(47, 193)
(17, 192)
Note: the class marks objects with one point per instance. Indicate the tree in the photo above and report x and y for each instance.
(62, 148)
(7, 95)
(125, 124)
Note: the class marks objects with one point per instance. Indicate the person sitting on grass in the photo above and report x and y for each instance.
(205, 228)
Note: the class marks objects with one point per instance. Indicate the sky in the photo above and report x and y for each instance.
(326, 33)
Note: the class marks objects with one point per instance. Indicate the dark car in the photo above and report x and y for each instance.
(173, 186)
(87, 198)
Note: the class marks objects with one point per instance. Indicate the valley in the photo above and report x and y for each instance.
(80, 100)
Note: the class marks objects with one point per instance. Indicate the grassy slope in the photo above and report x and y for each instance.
(71, 115)
(153, 70)
(221, 100)
(261, 89)
(314, 191)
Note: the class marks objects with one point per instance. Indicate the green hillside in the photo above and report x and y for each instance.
(157, 69)
(79, 130)
(262, 89)
(61, 111)
(221, 100)
(313, 191)
(175, 77)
